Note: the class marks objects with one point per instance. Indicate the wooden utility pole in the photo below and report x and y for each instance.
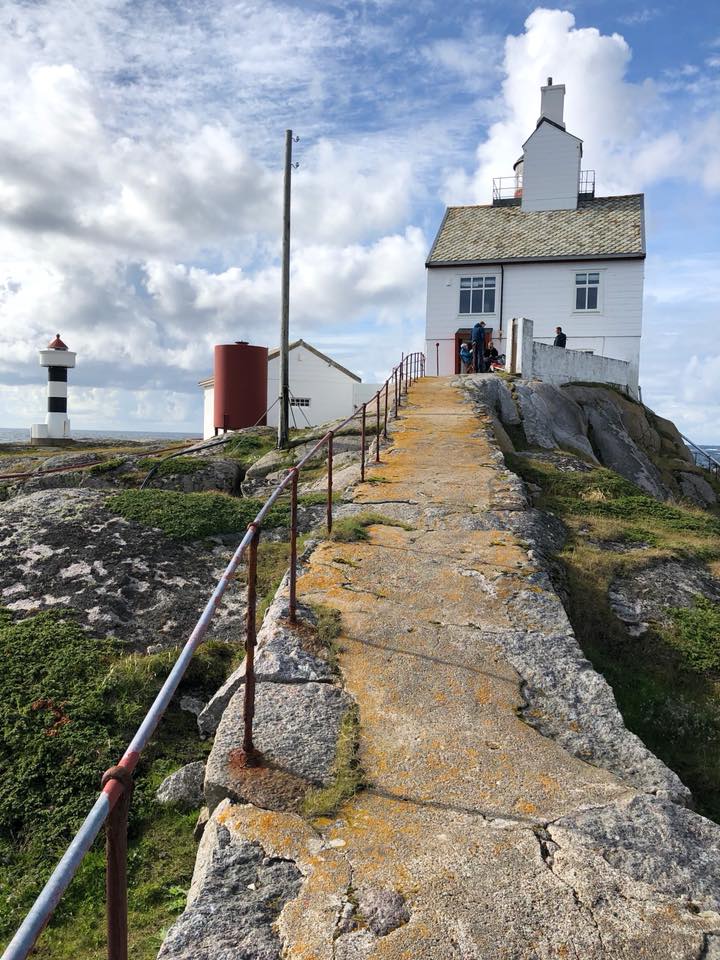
(284, 418)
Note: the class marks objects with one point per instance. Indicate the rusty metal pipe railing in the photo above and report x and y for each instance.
(249, 756)
(377, 428)
(385, 433)
(112, 804)
(362, 444)
(329, 481)
(293, 544)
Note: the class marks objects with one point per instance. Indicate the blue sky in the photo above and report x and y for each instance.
(140, 177)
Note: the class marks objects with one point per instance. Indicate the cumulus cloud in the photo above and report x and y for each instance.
(628, 128)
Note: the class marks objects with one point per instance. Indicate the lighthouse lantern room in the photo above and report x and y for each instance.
(58, 360)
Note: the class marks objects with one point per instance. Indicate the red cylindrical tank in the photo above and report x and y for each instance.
(240, 385)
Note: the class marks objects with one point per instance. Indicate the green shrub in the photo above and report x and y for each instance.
(192, 516)
(69, 703)
(171, 468)
(107, 465)
(696, 633)
(248, 447)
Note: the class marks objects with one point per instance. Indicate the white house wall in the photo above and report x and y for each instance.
(551, 170)
(329, 390)
(544, 292)
(443, 318)
(208, 412)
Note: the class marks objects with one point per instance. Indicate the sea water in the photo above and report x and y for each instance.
(19, 435)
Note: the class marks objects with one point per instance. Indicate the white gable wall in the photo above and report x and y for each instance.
(551, 170)
(329, 390)
(544, 292)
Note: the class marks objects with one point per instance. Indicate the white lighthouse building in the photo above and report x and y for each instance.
(58, 359)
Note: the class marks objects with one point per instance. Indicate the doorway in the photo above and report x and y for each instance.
(463, 336)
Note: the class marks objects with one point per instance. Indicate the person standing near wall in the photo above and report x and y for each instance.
(560, 338)
(478, 346)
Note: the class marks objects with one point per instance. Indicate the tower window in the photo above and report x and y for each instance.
(299, 401)
(477, 295)
(587, 288)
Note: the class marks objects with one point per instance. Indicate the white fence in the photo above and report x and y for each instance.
(558, 365)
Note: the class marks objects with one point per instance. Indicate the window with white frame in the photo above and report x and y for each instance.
(477, 294)
(299, 401)
(587, 291)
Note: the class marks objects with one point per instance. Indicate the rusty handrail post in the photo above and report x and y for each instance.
(116, 828)
(249, 755)
(387, 387)
(400, 388)
(293, 544)
(362, 444)
(395, 388)
(377, 429)
(330, 481)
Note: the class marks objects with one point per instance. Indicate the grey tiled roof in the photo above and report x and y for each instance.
(601, 227)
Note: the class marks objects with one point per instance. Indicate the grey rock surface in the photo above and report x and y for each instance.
(296, 729)
(66, 549)
(697, 489)
(551, 419)
(223, 475)
(568, 701)
(183, 787)
(68, 460)
(647, 841)
(382, 910)
(232, 915)
(646, 596)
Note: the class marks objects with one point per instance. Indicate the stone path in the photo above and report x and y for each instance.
(478, 837)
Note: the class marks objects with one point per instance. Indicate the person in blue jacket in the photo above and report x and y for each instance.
(465, 358)
(478, 346)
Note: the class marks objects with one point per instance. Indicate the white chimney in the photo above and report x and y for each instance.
(552, 102)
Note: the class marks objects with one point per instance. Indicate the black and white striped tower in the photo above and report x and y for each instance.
(58, 359)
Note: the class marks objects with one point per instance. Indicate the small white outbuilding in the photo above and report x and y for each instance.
(321, 389)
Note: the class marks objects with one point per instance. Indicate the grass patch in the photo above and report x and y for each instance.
(68, 704)
(348, 776)
(192, 516)
(354, 529)
(666, 681)
(317, 498)
(170, 468)
(377, 478)
(329, 628)
(696, 633)
(107, 465)
(248, 447)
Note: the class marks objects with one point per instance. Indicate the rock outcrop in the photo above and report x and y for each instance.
(184, 787)
(66, 549)
(603, 426)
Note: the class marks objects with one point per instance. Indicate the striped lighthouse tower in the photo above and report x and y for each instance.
(58, 359)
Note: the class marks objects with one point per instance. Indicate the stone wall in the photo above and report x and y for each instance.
(556, 365)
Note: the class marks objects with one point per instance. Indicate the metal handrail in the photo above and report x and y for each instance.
(713, 464)
(111, 806)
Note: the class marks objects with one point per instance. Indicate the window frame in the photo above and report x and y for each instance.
(599, 286)
(484, 287)
(300, 401)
